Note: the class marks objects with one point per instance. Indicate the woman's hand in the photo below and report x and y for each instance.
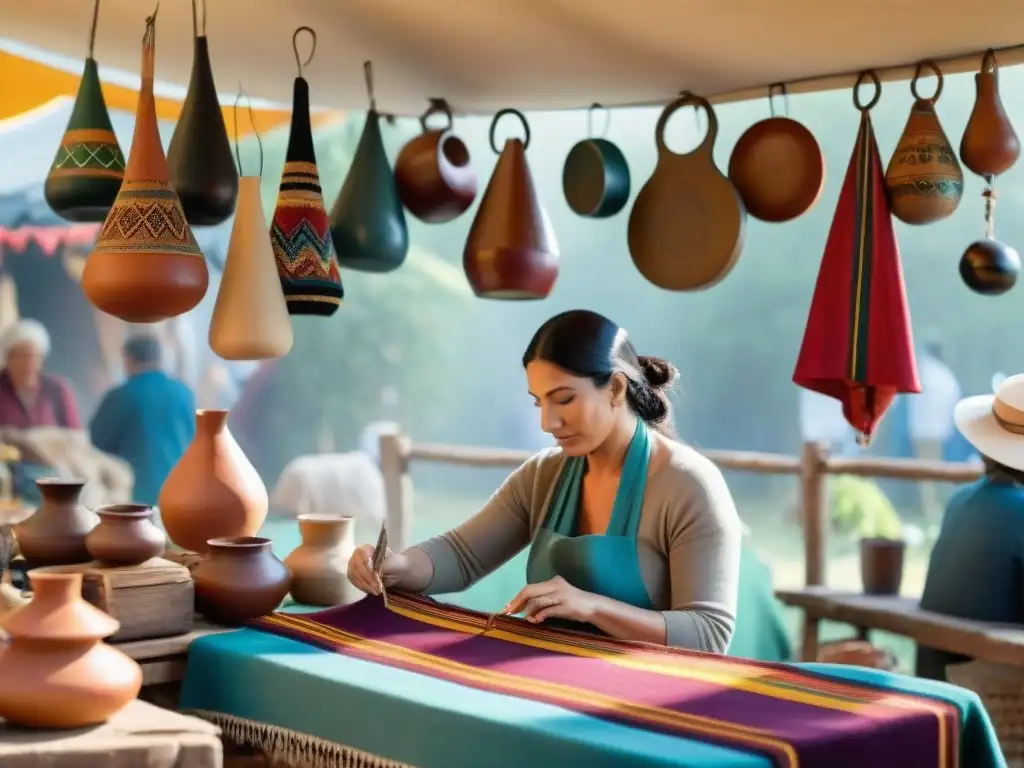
(360, 569)
(554, 598)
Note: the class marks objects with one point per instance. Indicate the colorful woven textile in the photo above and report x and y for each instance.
(789, 716)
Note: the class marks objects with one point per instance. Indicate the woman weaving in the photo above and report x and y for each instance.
(631, 533)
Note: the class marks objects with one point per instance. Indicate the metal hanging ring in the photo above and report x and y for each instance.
(781, 88)
(437, 107)
(865, 76)
(522, 119)
(295, 47)
(590, 119)
(917, 76)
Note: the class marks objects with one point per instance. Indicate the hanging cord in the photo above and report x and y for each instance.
(990, 209)
(149, 46)
(781, 88)
(368, 74)
(295, 47)
(590, 119)
(92, 30)
(199, 30)
(255, 130)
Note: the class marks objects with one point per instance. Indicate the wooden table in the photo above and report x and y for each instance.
(1000, 643)
(139, 735)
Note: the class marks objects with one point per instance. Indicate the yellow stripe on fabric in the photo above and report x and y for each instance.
(525, 686)
(865, 190)
(896, 701)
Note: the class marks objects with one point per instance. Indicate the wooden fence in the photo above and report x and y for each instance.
(811, 467)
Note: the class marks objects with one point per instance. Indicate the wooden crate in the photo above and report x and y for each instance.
(154, 599)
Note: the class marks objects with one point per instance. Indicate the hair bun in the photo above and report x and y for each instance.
(659, 373)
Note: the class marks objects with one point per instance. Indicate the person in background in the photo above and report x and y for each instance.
(977, 565)
(148, 421)
(28, 397)
(930, 415)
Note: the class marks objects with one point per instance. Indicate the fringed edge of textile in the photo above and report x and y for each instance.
(292, 748)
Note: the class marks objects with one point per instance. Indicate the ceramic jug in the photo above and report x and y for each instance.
(55, 534)
(239, 579)
(56, 671)
(511, 251)
(213, 491)
(319, 565)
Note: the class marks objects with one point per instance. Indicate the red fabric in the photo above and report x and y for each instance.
(55, 399)
(858, 346)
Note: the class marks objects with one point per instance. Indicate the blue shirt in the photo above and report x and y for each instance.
(977, 566)
(148, 421)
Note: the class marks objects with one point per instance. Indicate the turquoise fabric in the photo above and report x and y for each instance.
(148, 421)
(605, 564)
(433, 723)
(976, 570)
(761, 631)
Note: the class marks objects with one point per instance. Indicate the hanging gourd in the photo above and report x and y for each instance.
(250, 318)
(511, 251)
(299, 233)
(924, 179)
(368, 220)
(989, 146)
(202, 169)
(146, 265)
(86, 173)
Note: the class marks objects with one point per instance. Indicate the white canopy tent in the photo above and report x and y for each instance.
(534, 54)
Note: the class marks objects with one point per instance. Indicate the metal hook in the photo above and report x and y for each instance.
(781, 87)
(590, 119)
(295, 47)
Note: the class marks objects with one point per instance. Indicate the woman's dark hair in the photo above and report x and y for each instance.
(591, 346)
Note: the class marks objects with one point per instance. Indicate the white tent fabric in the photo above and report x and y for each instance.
(532, 54)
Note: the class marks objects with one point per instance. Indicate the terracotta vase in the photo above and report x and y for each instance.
(239, 579)
(126, 535)
(300, 232)
(250, 319)
(146, 265)
(213, 491)
(55, 533)
(319, 565)
(56, 672)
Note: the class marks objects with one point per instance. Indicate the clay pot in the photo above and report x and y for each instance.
(319, 565)
(239, 579)
(55, 533)
(213, 491)
(881, 565)
(126, 535)
(56, 673)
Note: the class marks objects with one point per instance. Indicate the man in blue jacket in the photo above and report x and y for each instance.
(148, 421)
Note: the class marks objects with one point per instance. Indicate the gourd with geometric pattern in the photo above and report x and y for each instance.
(88, 169)
(146, 265)
(299, 233)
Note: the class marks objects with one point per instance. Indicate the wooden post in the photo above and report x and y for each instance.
(394, 466)
(815, 512)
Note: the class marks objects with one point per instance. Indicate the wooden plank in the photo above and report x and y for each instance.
(1002, 643)
(157, 647)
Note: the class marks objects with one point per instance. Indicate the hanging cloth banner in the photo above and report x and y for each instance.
(858, 346)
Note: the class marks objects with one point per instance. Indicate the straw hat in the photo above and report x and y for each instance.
(994, 424)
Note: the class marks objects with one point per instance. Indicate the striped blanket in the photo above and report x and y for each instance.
(791, 716)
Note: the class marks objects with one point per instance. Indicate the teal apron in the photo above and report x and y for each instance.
(604, 564)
